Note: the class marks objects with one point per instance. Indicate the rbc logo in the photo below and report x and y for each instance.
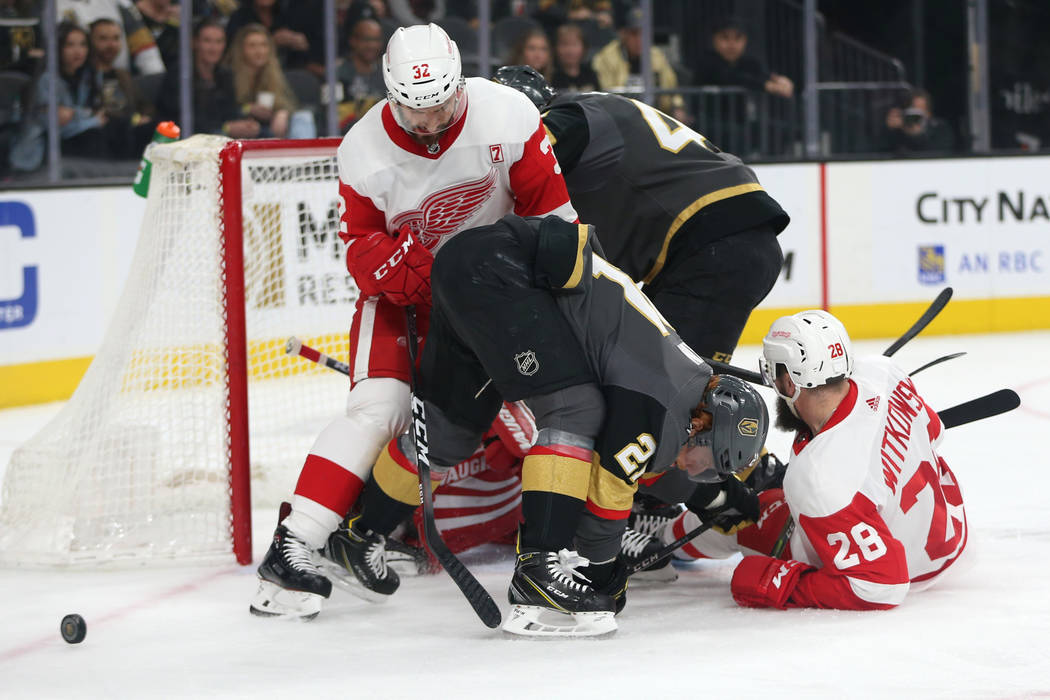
(931, 264)
(21, 310)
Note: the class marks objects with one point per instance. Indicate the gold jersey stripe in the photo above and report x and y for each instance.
(687, 213)
(396, 481)
(556, 474)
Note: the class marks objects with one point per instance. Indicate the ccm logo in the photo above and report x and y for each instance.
(393, 261)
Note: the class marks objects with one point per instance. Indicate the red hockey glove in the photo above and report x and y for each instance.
(398, 268)
(765, 582)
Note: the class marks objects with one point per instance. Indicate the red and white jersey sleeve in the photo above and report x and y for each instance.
(876, 507)
(494, 161)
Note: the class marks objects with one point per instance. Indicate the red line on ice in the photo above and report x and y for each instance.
(55, 638)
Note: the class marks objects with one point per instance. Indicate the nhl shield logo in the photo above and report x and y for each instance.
(527, 363)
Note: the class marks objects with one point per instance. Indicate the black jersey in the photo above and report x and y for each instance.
(650, 378)
(639, 176)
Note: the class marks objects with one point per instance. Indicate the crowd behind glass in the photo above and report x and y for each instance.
(259, 71)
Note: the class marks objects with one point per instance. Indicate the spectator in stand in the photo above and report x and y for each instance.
(914, 129)
(161, 18)
(533, 48)
(21, 42)
(726, 62)
(571, 74)
(215, 109)
(618, 67)
(360, 73)
(80, 118)
(139, 54)
(295, 27)
(350, 12)
(129, 120)
(409, 12)
(259, 84)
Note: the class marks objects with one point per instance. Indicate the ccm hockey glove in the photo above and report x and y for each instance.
(398, 268)
(765, 582)
(730, 504)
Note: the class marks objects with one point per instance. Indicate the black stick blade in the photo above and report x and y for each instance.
(924, 320)
(474, 592)
(982, 407)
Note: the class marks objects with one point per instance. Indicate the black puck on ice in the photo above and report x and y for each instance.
(73, 629)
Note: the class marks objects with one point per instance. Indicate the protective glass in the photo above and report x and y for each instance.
(430, 120)
(697, 458)
(769, 376)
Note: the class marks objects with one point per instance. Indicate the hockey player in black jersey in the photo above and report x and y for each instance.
(524, 310)
(675, 212)
(671, 210)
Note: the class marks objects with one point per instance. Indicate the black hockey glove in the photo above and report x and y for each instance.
(767, 474)
(731, 505)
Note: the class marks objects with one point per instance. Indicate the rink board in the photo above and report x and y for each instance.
(872, 241)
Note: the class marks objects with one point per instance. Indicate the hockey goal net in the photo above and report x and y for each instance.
(191, 409)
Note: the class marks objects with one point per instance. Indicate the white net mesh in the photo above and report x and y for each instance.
(135, 466)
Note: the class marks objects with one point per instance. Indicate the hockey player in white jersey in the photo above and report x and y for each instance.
(439, 155)
(878, 512)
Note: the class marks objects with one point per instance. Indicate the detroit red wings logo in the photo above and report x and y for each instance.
(445, 211)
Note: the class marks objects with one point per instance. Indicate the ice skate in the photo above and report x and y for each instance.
(356, 559)
(650, 515)
(290, 584)
(636, 546)
(549, 598)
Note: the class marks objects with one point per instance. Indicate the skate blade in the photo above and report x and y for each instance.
(346, 581)
(536, 621)
(273, 601)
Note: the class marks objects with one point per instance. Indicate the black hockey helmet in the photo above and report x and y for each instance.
(528, 81)
(730, 424)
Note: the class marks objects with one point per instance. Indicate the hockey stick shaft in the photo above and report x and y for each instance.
(669, 549)
(294, 346)
(474, 592)
(739, 372)
(938, 361)
(924, 320)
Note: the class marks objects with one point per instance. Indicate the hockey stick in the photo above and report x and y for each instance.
(739, 372)
(982, 407)
(294, 346)
(924, 320)
(475, 594)
(938, 361)
(669, 549)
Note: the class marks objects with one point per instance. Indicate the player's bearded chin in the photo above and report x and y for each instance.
(787, 420)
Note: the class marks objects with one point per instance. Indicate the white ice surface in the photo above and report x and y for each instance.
(985, 632)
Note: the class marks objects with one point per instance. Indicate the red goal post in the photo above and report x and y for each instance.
(190, 410)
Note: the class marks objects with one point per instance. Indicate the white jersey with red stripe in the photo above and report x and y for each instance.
(495, 160)
(874, 503)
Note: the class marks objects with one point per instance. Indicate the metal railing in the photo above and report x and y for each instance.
(840, 111)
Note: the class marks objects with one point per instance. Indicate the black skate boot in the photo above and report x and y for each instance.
(636, 546)
(290, 584)
(356, 560)
(547, 584)
(650, 515)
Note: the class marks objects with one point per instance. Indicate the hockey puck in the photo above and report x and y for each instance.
(73, 629)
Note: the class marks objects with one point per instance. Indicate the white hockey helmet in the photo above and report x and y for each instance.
(423, 73)
(812, 346)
